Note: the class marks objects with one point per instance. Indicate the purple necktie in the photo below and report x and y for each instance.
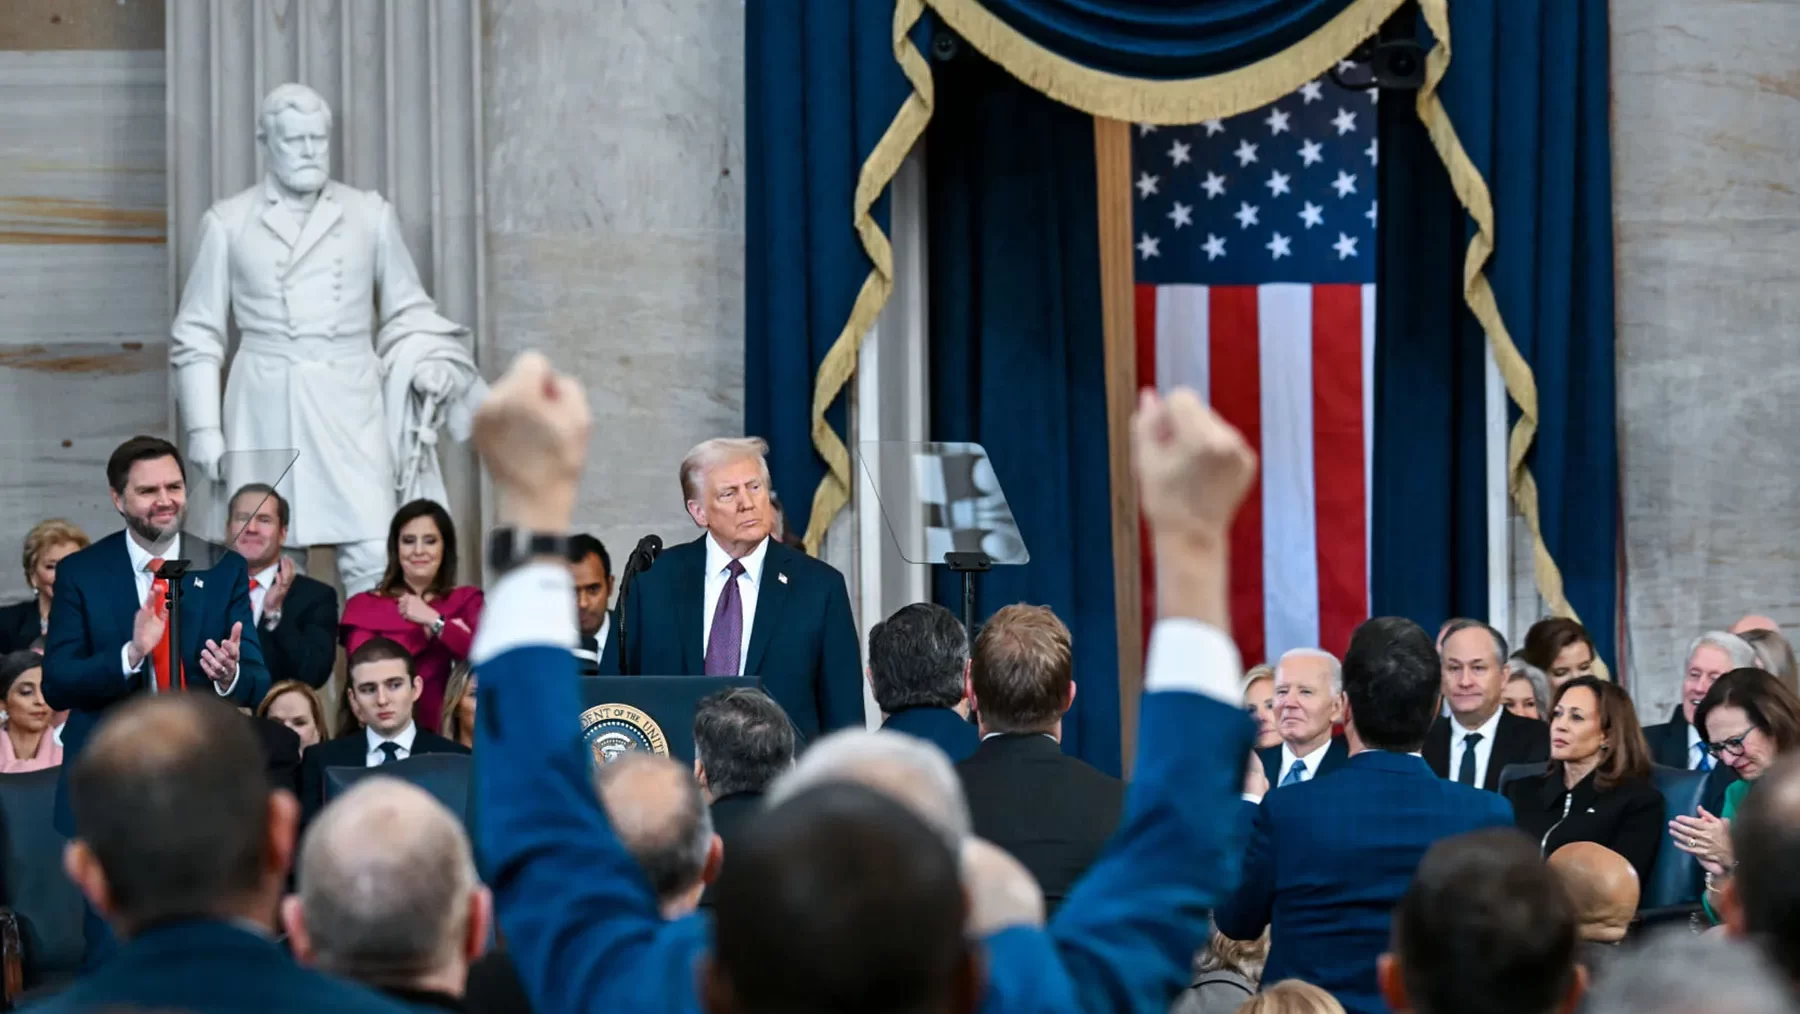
(727, 639)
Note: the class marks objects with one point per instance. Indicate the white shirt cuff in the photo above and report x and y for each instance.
(1195, 657)
(225, 691)
(530, 607)
(125, 665)
(1251, 797)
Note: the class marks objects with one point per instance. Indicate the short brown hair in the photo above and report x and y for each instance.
(1548, 637)
(295, 687)
(139, 448)
(1022, 669)
(1767, 703)
(379, 649)
(43, 535)
(1628, 757)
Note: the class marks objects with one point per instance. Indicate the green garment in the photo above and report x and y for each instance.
(1734, 795)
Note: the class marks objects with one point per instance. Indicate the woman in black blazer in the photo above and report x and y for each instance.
(1597, 787)
(22, 623)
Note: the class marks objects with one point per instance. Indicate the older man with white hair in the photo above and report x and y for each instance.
(735, 602)
(1309, 703)
(1677, 743)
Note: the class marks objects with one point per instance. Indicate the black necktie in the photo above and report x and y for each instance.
(1465, 772)
(390, 753)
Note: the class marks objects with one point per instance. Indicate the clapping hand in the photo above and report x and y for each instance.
(146, 631)
(219, 659)
(1706, 838)
(277, 591)
(532, 433)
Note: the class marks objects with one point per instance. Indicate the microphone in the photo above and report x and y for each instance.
(648, 549)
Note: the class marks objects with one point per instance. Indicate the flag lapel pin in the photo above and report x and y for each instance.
(782, 578)
(199, 583)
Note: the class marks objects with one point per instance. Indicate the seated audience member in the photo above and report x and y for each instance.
(1597, 787)
(295, 705)
(661, 818)
(296, 616)
(418, 603)
(1774, 655)
(27, 744)
(1679, 742)
(1309, 701)
(1527, 691)
(1751, 719)
(743, 741)
(458, 720)
(1604, 890)
(384, 691)
(182, 846)
(1052, 811)
(591, 567)
(1479, 738)
(572, 901)
(1485, 928)
(23, 623)
(918, 668)
(1677, 972)
(842, 901)
(1226, 974)
(1761, 903)
(388, 896)
(1259, 701)
(1328, 859)
(1560, 648)
(1292, 997)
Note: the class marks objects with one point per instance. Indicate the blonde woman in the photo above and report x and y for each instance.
(1225, 975)
(1259, 701)
(45, 546)
(458, 720)
(293, 704)
(1292, 997)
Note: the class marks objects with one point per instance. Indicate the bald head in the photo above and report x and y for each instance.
(658, 812)
(1002, 892)
(1603, 886)
(1755, 622)
(387, 887)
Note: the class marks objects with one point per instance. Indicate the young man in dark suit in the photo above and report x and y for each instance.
(919, 671)
(296, 616)
(735, 602)
(1053, 812)
(184, 848)
(591, 566)
(1479, 738)
(384, 686)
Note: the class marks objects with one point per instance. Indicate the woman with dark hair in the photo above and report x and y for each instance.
(1560, 647)
(1597, 787)
(419, 604)
(25, 742)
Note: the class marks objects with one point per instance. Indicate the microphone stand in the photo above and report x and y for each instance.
(639, 561)
(171, 572)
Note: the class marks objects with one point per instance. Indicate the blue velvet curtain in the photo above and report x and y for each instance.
(1016, 358)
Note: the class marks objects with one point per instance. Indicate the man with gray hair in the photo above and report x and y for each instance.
(1479, 738)
(389, 896)
(1677, 972)
(1309, 703)
(1676, 743)
(659, 814)
(918, 670)
(736, 602)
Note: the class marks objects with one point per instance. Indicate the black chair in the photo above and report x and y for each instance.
(445, 775)
(1675, 884)
(1513, 772)
(40, 923)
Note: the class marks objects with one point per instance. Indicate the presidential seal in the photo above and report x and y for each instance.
(612, 729)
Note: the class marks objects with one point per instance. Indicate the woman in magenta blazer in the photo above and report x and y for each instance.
(417, 603)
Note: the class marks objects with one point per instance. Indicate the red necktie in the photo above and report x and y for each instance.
(255, 584)
(159, 594)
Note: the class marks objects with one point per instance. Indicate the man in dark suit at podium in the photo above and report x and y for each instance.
(591, 567)
(296, 616)
(735, 602)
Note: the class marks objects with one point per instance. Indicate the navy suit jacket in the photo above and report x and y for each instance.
(582, 924)
(1329, 858)
(210, 967)
(803, 641)
(91, 620)
(955, 735)
(1335, 756)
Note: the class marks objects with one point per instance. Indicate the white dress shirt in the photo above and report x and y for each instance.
(717, 560)
(259, 588)
(1311, 761)
(1696, 748)
(600, 636)
(1483, 749)
(140, 571)
(402, 739)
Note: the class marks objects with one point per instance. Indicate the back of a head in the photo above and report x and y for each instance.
(1765, 840)
(743, 739)
(1603, 887)
(172, 798)
(1022, 669)
(1485, 928)
(658, 812)
(385, 876)
(842, 901)
(909, 770)
(917, 657)
(1392, 680)
(1291, 996)
(1676, 972)
(1774, 655)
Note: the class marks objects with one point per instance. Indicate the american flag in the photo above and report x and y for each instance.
(1255, 287)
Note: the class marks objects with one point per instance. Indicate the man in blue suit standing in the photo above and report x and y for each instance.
(579, 915)
(1328, 859)
(735, 602)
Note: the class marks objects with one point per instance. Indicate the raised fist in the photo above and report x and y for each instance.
(204, 450)
(532, 432)
(1193, 468)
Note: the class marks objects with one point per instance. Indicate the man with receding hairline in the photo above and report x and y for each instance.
(659, 814)
(1603, 885)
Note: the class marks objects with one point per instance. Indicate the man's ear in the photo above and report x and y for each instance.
(281, 835)
(694, 511)
(481, 919)
(1071, 701)
(293, 923)
(1391, 983)
(699, 773)
(715, 860)
(83, 869)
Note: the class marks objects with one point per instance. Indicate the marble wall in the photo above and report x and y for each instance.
(1706, 137)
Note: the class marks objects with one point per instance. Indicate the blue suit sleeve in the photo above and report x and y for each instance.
(253, 676)
(840, 689)
(1252, 906)
(76, 676)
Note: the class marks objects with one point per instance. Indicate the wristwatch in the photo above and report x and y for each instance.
(509, 547)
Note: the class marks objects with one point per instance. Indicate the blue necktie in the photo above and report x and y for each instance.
(1465, 772)
(1295, 775)
(1705, 758)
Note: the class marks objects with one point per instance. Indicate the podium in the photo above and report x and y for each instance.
(647, 714)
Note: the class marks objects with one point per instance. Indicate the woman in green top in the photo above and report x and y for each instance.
(1749, 718)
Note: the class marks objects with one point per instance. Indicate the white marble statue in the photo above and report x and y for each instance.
(308, 267)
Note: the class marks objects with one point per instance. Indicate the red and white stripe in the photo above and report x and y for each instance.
(1291, 365)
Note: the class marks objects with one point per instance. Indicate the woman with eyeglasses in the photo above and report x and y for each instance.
(1749, 719)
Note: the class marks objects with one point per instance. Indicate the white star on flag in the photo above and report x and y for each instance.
(1146, 129)
(1278, 246)
(1310, 152)
(1312, 215)
(1374, 95)
(1147, 246)
(1178, 153)
(1146, 184)
(1213, 127)
(1214, 185)
(1182, 214)
(1345, 184)
(1312, 91)
(1277, 183)
(1246, 153)
(1344, 121)
(1370, 214)
(1214, 247)
(1374, 153)
(1277, 121)
(1245, 214)
(1345, 246)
